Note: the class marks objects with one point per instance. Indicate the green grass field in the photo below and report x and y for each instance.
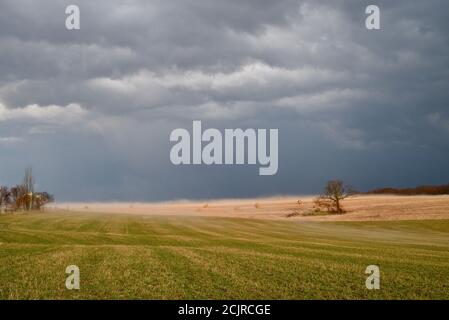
(147, 257)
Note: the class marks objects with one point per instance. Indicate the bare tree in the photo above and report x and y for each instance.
(28, 180)
(5, 198)
(41, 199)
(18, 197)
(333, 194)
(28, 184)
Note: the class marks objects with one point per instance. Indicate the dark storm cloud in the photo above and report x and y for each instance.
(92, 109)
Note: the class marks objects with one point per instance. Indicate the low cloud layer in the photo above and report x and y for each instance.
(92, 110)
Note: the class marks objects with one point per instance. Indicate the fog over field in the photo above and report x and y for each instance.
(359, 208)
(92, 110)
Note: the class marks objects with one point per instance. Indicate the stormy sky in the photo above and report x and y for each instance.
(92, 110)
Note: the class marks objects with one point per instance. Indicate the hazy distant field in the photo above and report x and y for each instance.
(173, 257)
(360, 208)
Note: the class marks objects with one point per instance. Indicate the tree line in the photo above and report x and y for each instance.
(420, 190)
(23, 197)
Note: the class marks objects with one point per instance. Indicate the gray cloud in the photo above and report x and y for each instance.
(92, 110)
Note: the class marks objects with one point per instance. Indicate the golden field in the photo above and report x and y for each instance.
(359, 208)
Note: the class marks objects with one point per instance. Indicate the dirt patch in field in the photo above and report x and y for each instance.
(360, 208)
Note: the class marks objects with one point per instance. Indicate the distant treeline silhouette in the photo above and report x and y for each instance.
(420, 190)
(23, 197)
